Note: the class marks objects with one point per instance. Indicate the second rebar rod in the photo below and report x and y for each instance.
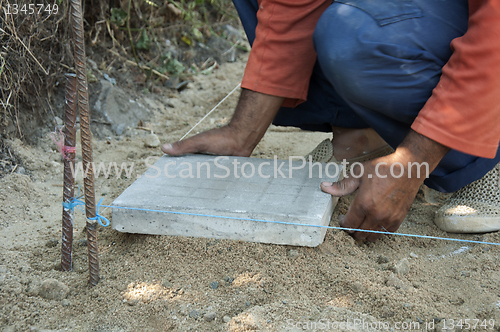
(69, 180)
(83, 105)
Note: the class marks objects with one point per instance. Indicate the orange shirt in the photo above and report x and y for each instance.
(463, 112)
(282, 57)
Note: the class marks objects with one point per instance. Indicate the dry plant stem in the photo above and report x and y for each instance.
(69, 180)
(83, 104)
(36, 60)
(154, 71)
(130, 35)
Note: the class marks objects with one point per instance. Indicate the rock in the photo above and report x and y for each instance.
(413, 255)
(82, 242)
(51, 243)
(393, 281)
(386, 312)
(194, 314)
(228, 279)
(209, 316)
(52, 289)
(401, 267)
(226, 319)
(132, 302)
(33, 288)
(214, 284)
(293, 254)
(358, 287)
(65, 303)
(3, 269)
(382, 260)
(118, 108)
(21, 170)
(109, 79)
(119, 129)
(151, 141)
(58, 121)
(92, 64)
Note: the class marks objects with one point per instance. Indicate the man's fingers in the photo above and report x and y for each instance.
(368, 224)
(341, 188)
(373, 237)
(190, 145)
(353, 218)
(341, 221)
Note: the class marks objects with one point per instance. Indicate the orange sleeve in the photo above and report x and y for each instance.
(463, 112)
(282, 57)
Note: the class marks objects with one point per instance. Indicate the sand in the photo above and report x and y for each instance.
(163, 283)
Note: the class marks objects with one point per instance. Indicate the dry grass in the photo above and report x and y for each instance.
(32, 55)
(35, 50)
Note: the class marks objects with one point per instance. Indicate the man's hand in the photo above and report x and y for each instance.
(252, 117)
(383, 200)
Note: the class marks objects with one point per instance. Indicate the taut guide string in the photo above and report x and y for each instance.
(213, 109)
(76, 202)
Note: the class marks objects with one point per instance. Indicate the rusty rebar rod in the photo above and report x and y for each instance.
(69, 180)
(83, 105)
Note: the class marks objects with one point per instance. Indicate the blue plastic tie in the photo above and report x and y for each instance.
(100, 218)
(73, 203)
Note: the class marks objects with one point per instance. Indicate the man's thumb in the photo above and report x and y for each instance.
(341, 188)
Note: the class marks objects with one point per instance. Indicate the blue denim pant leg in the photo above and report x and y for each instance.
(323, 107)
(378, 62)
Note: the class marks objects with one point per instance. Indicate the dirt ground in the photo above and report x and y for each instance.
(163, 283)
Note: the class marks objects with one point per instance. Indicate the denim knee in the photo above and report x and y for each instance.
(380, 67)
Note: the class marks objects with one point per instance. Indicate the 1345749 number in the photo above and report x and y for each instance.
(31, 9)
(469, 324)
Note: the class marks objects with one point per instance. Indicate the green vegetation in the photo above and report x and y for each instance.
(147, 22)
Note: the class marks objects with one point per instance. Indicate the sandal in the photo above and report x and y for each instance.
(473, 209)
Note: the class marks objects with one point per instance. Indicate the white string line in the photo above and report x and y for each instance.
(213, 109)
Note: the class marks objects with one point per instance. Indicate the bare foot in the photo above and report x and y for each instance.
(351, 143)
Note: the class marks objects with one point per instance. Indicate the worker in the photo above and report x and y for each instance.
(397, 82)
